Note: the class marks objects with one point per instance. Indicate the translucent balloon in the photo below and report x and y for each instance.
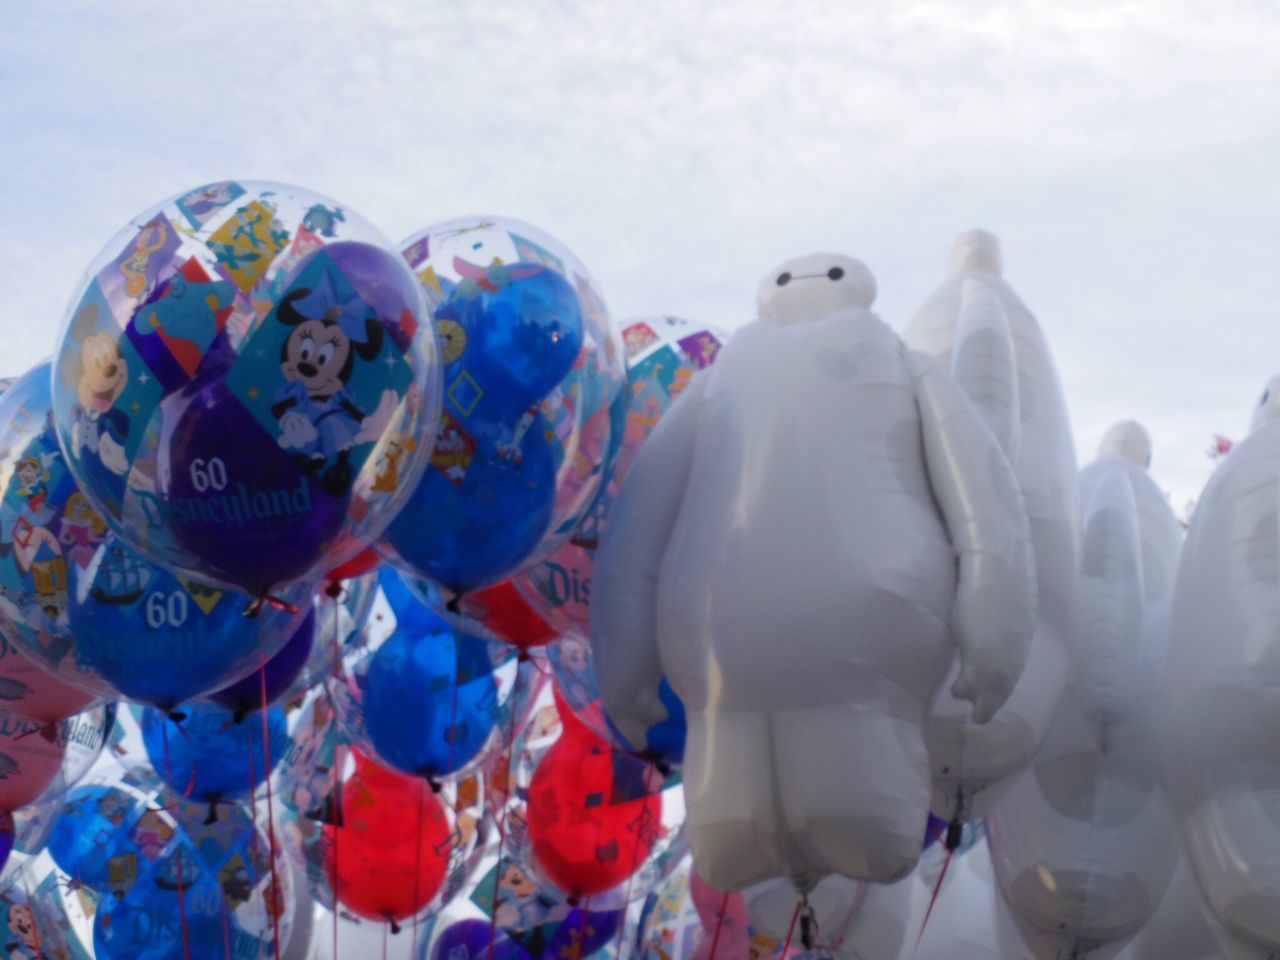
(207, 754)
(380, 844)
(978, 326)
(426, 696)
(276, 677)
(241, 382)
(573, 671)
(1222, 703)
(534, 399)
(663, 354)
(1080, 842)
(785, 552)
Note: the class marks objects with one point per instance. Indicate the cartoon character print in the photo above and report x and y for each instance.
(103, 373)
(387, 479)
(150, 238)
(151, 834)
(318, 418)
(82, 530)
(526, 914)
(24, 941)
(28, 535)
(454, 450)
(186, 316)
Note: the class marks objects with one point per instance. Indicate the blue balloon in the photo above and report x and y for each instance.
(532, 369)
(212, 756)
(147, 923)
(245, 696)
(88, 835)
(429, 695)
(159, 639)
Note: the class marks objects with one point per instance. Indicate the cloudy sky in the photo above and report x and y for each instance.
(1125, 152)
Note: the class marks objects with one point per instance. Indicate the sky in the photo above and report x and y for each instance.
(1124, 152)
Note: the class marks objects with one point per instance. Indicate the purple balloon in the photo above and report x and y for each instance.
(245, 696)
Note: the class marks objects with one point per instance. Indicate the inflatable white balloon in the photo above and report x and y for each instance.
(1178, 930)
(977, 326)
(801, 545)
(1224, 692)
(1084, 841)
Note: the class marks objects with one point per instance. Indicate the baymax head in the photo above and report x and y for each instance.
(103, 372)
(976, 250)
(1127, 440)
(1268, 407)
(810, 288)
(326, 338)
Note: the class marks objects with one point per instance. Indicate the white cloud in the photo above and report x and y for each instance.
(1125, 152)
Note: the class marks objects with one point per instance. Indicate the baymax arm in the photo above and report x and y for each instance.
(994, 612)
(625, 589)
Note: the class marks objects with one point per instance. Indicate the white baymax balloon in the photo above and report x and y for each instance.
(1084, 841)
(799, 544)
(1224, 692)
(1178, 930)
(977, 325)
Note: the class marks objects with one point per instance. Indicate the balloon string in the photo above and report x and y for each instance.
(267, 599)
(385, 926)
(626, 896)
(715, 940)
(937, 889)
(791, 930)
(582, 927)
(226, 929)
(502, 821)
(334, 783)
(182, 899)
(253, 805)
(417, 870)
(274, 906)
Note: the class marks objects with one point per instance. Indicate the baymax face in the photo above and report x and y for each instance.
(105, 372)
(317, 355)
(807, 289)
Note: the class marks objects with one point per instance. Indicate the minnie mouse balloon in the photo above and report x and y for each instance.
(534, 392)
(241, 381)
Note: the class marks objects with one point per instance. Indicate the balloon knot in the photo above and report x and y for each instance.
(333, 589)
(177, 716)
(807, 924)
(213, 813)
(955, 834)
(574, 900)
(395, 927)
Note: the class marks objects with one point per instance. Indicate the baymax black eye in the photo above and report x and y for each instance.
(835, 273)
(784, 279)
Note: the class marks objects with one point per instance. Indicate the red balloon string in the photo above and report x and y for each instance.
(226, 929)
(274, 906)
(626, 898)
(933, 899)
(582, 929)
(791, 930)
(715, 940)
(335, 773)
(385, 927)
(502, 821)
(417, 869)
(182, 899)
(253, 804)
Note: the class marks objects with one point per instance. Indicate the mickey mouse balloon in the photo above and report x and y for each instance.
(241, 380)
(534, 402)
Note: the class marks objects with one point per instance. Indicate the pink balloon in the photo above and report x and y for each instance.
(30, 757)
(29, 693)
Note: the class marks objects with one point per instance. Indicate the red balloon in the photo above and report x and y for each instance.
(594, 812)
(29, 693)
(30, 757)
(357, 566)
(386, 851)
(506, 614)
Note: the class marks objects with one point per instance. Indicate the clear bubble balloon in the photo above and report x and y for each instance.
(534, 395)
(241, 381)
